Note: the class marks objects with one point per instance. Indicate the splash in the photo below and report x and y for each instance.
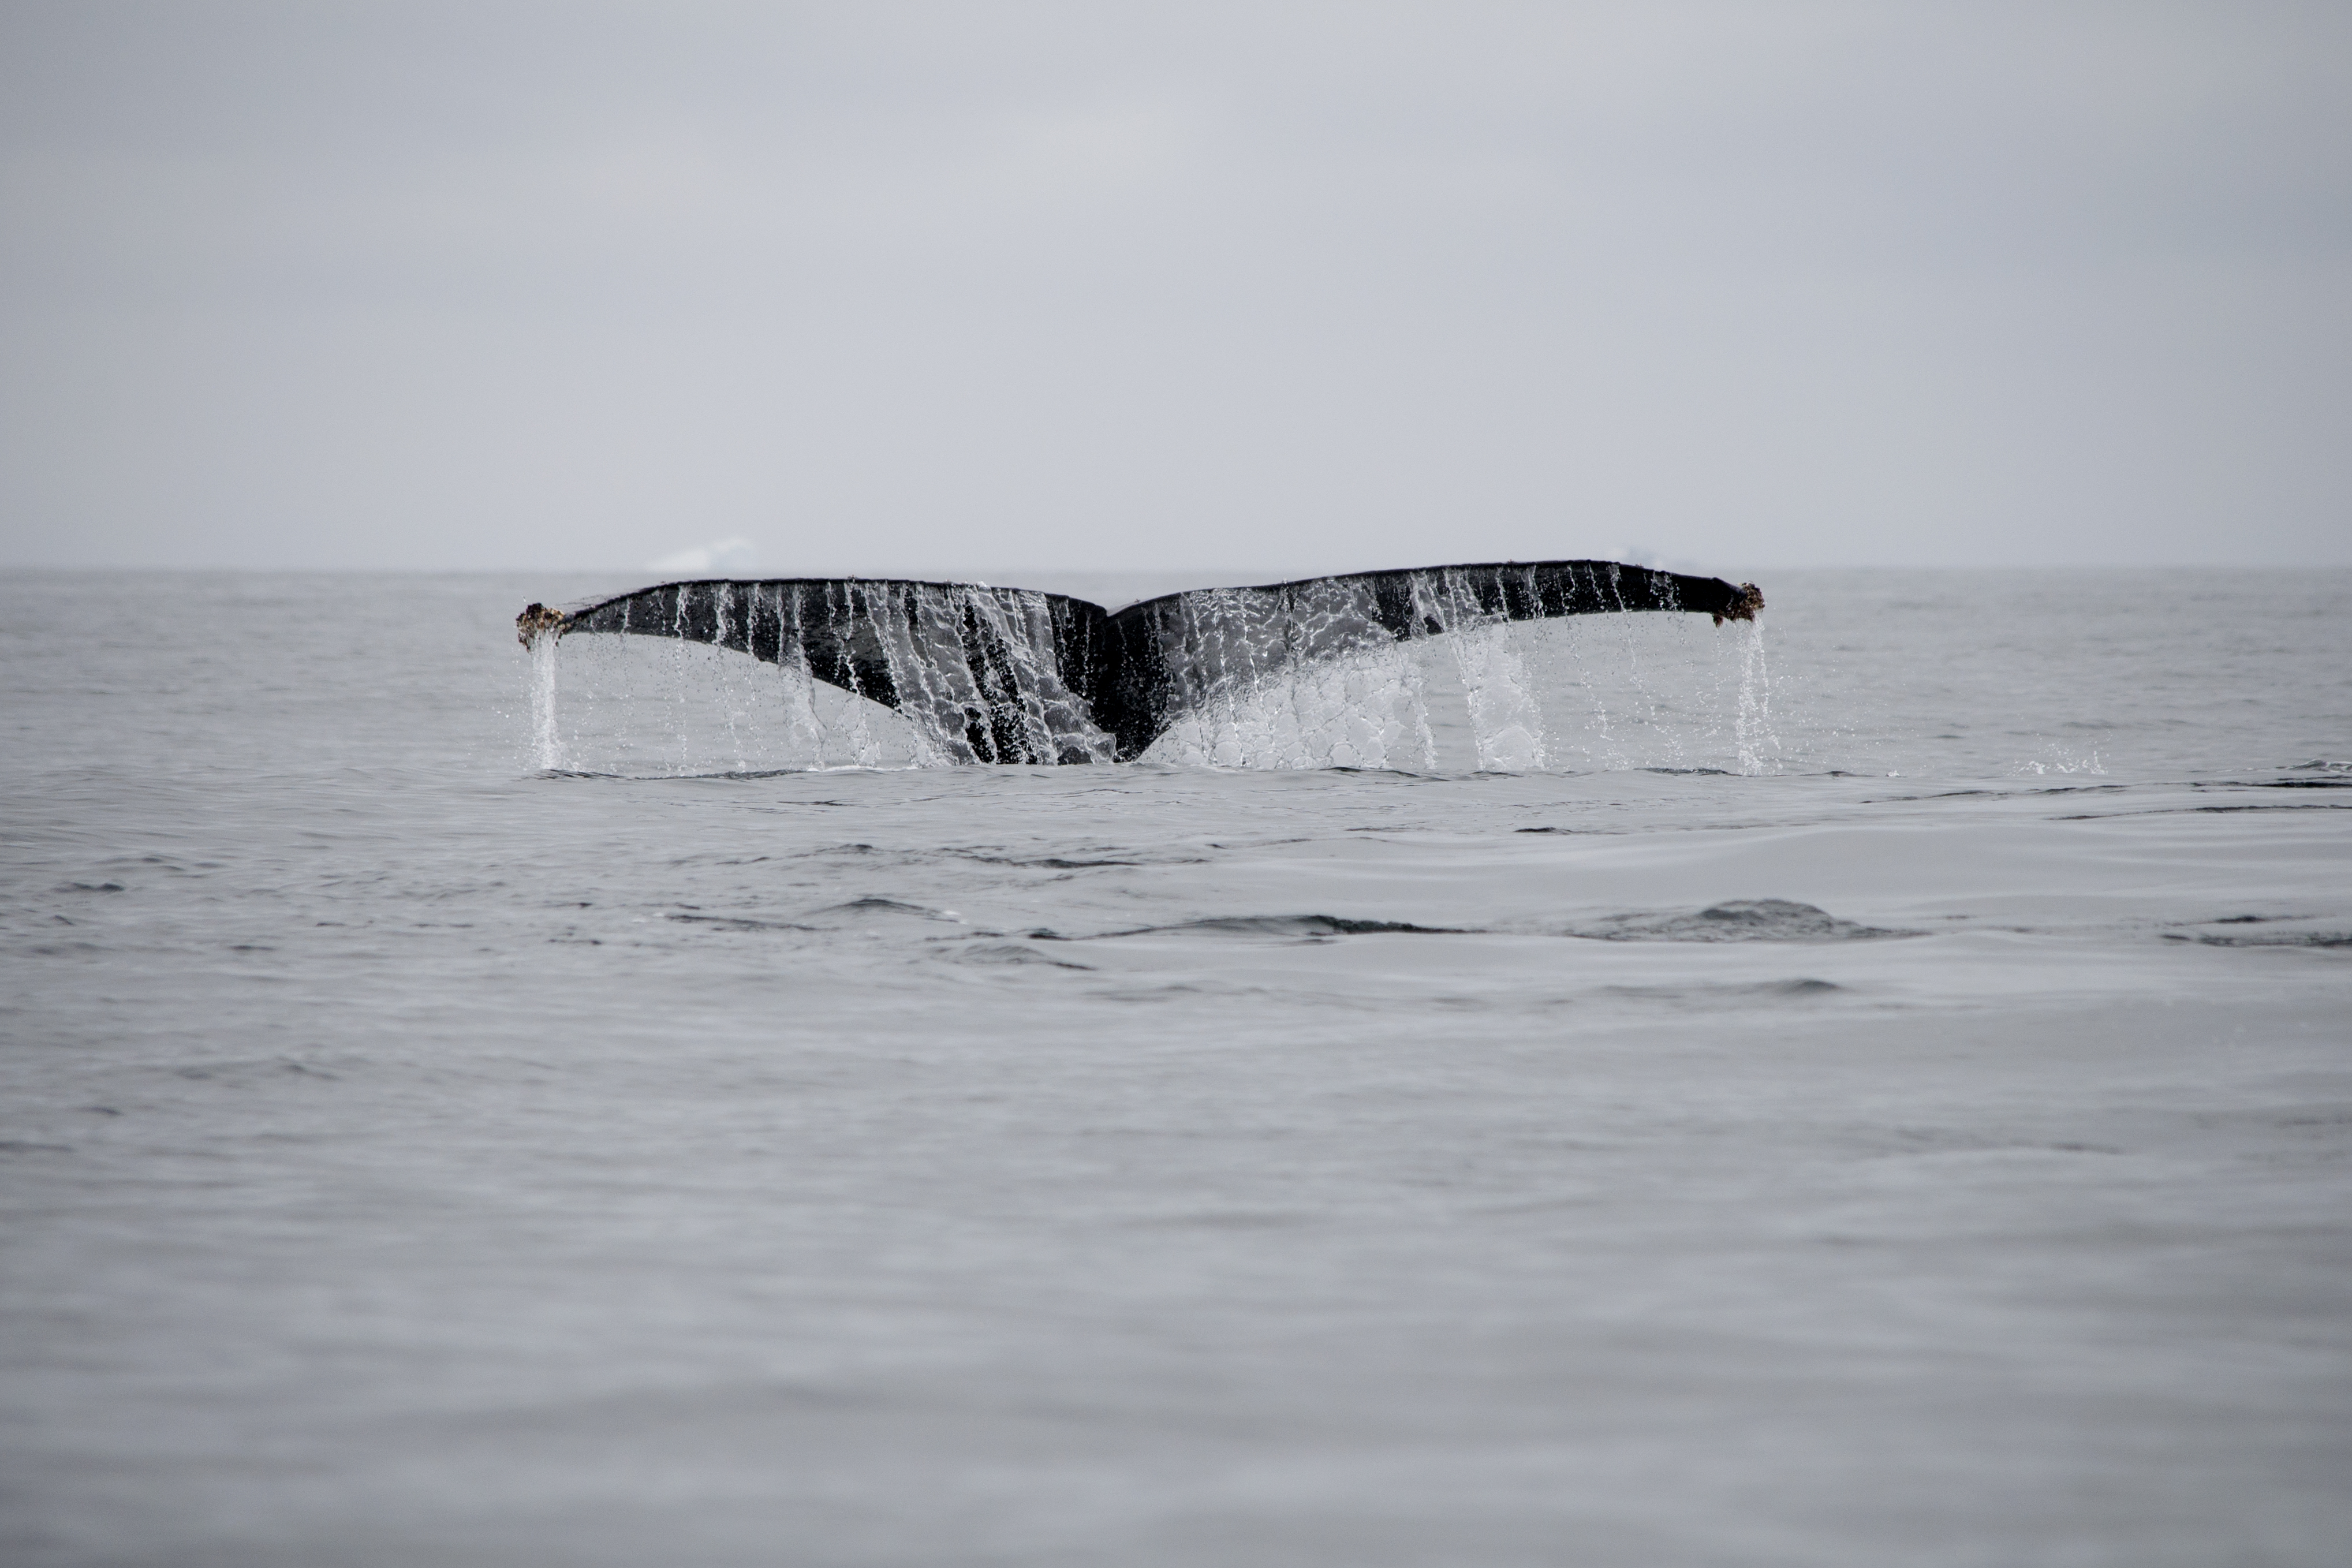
(1318, 678)
(1753, 729)
(860, 675)
(1439, 675)
(1006, 675)
(1504, 716)
(1365, 710)
(640, 708)
(549, 739)
(2062, 762)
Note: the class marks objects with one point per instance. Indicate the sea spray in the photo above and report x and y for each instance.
(1315, 680)
(1504, 714)
(730, 703)
(549, 743)
(1364, 710)
(1753, 728)
(1497, 699)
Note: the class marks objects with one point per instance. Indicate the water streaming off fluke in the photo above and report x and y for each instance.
(1327, 671)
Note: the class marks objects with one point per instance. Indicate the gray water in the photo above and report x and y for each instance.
(1880, 1092)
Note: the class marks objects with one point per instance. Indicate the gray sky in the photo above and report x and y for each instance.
(1292, 288)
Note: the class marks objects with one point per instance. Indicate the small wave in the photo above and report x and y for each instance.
(1067, 863)
(1013, 953)
(2330, 939)
(1741, 920)
(880, 906)
(2207, 810)
(1293, 926)
(733, 922)
(2299, 805)
(1800, 988)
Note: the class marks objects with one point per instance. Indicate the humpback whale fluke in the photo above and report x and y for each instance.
(1009, 675)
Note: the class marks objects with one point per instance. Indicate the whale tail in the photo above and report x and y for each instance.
(1010, 675)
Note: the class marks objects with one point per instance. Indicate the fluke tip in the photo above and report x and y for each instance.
(1743, 606)
(535, 622)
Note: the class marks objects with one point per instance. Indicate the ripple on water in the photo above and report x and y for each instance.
(1740, 919)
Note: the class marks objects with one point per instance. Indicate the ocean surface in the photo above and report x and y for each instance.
(1876, 1089)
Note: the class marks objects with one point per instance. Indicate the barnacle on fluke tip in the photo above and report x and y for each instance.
(535, 621)
(1010, 675)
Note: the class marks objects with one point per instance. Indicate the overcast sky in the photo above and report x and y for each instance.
(964, 287)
